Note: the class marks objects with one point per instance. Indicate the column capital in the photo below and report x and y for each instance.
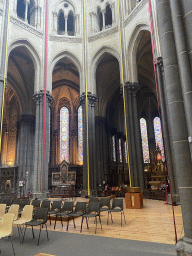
(26, 1)
(159, 63)
(92, 99)
(38, 96)
(132, 87)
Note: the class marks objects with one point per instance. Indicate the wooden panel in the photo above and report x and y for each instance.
(134, 200)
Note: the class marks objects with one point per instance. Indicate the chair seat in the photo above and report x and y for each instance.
(104, 209)
(77, 214)
(89, 215)
(20, 222)
(115, 210)
(63, 214)
(35, 222)
(52, 212)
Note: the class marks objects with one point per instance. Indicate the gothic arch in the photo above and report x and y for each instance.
(60, 2)
(97, 58)
(57, 58)
(132, 51)
(33, 55)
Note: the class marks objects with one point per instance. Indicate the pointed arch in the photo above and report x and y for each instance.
(131, 64)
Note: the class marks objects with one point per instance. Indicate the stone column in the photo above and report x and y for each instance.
(91, 140)
(183, 58)
(113, 13)
(3, 53)
(40, 190)
(129, 128)
(15, 7)
(65, 28)
(138, 142)
(177, 119)
(103, 15)
(26, 143)
(165, 128)
(27, 2)
(55, 18)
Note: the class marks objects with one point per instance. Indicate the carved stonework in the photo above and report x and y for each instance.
(92, 99)
(25, 26)
(38, 96)
(65, 39)
(134, 12)
(103, 34)
(1, 12)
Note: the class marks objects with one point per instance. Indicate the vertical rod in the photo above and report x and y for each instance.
(5, 69)
(123, 86)
(45, 90)
(86, 97)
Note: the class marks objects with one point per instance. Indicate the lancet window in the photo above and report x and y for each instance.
(80, 135)
(26, 11)
(120, 152)
(105, 17)
(158, 136)
(114, 149)
(64, 134)
(144, 137)
(66, 23)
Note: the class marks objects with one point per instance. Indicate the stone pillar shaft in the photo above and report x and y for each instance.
(91, 143)
(40, 189)
(176, 113)
(165, 128)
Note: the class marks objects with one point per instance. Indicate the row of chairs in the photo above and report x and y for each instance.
(39, 218)
(93, 210)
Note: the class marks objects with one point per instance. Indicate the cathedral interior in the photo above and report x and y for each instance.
(96, 94)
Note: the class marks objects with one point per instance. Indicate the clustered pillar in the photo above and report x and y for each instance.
(178, 95)
(134, 137)
(91, 142)
(26, 144)
(40, 189)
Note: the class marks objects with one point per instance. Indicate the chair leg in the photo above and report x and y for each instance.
(124, 217)
(96, 224)
(108, 218)
(50, 219)
(81, 224)
(33, 233)
(100, 221)
(55, 221)
(24, 235)
(67, 224)
(111, 218)
(12, 246)
(47, 232)
(61, 222)
(87, 223)
(121, 219)
(74, 222)
(39, 235)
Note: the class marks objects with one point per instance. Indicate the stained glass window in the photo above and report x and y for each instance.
(144, 138)
(64, 134)
(126, 156)
(158, 136)
(114, 151)
(120, 151)
(80, 135)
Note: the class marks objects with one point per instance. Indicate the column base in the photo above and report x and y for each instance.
(84, 193)
(40, 195)
(176, 199)
(184, 247)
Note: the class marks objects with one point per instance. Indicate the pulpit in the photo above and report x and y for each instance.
(134, 198)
